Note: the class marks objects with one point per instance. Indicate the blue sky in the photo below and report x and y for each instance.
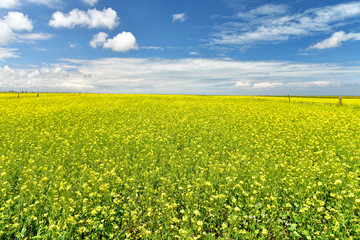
(181, 47)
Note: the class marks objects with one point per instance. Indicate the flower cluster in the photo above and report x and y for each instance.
(178, 167)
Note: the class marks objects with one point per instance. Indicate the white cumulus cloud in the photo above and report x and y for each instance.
(93, 18)
(10, 24)
(17, 21)
(6, 34)
(123, 42)
(99, 39)
(336, 40)
(179, 17)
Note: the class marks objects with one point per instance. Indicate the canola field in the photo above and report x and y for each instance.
(89, 166)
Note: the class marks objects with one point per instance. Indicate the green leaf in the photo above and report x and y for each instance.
(292, 227)
(37, 237)
(305, 232)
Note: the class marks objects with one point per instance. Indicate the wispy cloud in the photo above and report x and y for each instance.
(243, 84)
(179, 17)
(265, 10)
(336, 40)
(187, 75)
(268, 84)
(41, 49)
(73, 45)
(11, 4)
(313, 84)
(91, 2)
(8, 53)
(283, 84)
(7, 4)
(49, 3)
(34, 36)
(153, 48)
(271, 22)
(194, 53)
